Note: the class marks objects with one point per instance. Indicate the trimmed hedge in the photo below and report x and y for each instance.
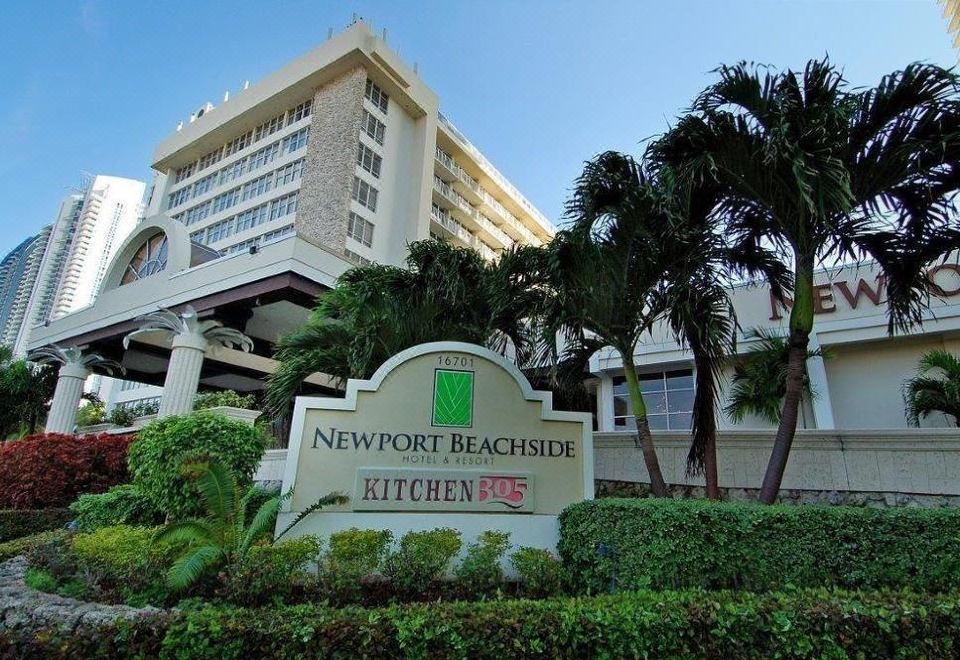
(53, 469)
(17, 523)
(26, 544)
(801, 624)
(673, 544)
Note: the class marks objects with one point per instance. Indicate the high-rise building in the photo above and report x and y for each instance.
(15, 278)
(951, 11)
(89, 228)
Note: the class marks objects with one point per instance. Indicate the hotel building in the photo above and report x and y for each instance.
(260, 203)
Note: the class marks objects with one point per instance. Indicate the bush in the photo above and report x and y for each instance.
(121, 416)
(354, 556)
(696, 624)
(271, 573)
(224, 398)
(16, 523)
(539, 573)
(26, 544)
(422, 558)
(480, 571)
(52, 470)
(90, 414)
(665, 544)
(121, 505)
(157, 456)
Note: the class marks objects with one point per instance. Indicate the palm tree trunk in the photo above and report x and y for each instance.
(801, 323)
(657, 485)
(705, 423)
(710, 470)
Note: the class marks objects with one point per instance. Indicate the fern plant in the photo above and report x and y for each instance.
(224, 537)
(935, 388)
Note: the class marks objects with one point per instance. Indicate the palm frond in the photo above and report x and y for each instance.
(331, 499)
(188, 568)
(191, 531)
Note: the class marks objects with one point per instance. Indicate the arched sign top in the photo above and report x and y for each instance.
(443, 429)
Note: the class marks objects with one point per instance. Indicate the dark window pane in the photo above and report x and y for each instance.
(621, 406)
(681, 421)
(628, 423)
(680, 380)
(651, 382)
(619, 386)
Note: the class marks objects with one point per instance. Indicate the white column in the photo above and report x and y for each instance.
(66, 398)
(183, 374)
(605, 402)
(817, 372)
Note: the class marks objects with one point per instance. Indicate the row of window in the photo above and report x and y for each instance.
(360, 229)
(369, 160)
(256, 241)
(258, 215)
(356, 258)
(373, 127)
(251, 163)
(250, 190)
(265, 129)
(377, 96)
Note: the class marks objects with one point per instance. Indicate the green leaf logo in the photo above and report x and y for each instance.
(452, 398)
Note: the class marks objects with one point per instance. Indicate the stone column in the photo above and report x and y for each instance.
(817, 372)
(66, 398)
(183, 374)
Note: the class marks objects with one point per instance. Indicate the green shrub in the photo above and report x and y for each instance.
(91, 414)
(665, 544)
(121, 505)
(539, 573)
(16, 523)
(41, 580)
(121, 416)
(694, 624)
(157, 456)
(24, 545)
(480, 572)
(354, 556)
(271, 573)
(224, 398)
(422, 558)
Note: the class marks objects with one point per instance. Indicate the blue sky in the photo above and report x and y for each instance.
(539, 86)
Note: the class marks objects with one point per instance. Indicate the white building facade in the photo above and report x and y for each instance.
(857, 384)
(259, 204)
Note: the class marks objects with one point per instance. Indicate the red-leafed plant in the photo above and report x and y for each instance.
(53, 469)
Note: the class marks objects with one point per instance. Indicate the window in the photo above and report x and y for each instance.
(209, 159)
(364, 193)
(236, 144)
(299, 112)
(278, 233)
(204, 185)
(289, 173)
(197, 236)
(360, 229)
(374, 127)
(268, 127)
(257, 187)
(264, 156)
(356, 258)
(252, 217)
(283, 206)
(368, 160)
(376, 96)
(295, 141)
(234, 171)
(669, 399)
(197, 213)
(220, 230)
(149, 259)
(184, 172)
(226, 200)
(179, 197)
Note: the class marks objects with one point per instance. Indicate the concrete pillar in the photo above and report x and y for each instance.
(817, 372)
(183, 374)
(66, 398)
(605, 402)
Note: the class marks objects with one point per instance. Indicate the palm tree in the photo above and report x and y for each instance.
(813, 172)
(25, 393)
(188, 322)
(607, 277)
(935, 388)
(444, 293)
(225, 536)
(759, 380)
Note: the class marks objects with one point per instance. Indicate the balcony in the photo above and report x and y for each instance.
(454, 228)
(462, 182)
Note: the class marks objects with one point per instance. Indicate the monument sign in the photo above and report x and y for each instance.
(443, 435)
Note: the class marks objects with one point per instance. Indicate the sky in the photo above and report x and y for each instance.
(539, 86)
